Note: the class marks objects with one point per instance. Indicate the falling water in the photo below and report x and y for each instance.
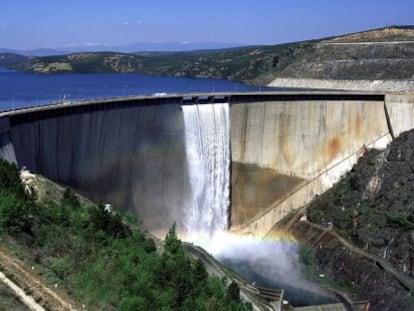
(207, 134)
(269, 263)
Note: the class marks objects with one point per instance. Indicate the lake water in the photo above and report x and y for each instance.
(19, 89)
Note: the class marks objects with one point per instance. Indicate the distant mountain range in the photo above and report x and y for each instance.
(379, 54)
(127, 48)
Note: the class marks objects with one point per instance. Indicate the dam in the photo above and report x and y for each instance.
(260, 155)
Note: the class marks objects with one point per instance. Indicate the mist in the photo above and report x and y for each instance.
(271, 263)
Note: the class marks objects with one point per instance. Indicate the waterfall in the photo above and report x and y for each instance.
(207, 135)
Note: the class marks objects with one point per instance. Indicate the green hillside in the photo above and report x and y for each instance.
(99, 258)
(386, 53)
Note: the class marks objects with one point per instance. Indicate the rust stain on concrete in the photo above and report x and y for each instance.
(284, 127)
(334, 147)
(358, 126)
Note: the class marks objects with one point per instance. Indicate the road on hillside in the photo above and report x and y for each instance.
(45, 296)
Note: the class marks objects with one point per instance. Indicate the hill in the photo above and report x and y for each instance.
(386, 53)
(373, 55)
(373, 205)
(14, 60)
(94, 256)
(362, 229)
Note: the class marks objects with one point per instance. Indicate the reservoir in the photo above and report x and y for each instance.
(19, 89)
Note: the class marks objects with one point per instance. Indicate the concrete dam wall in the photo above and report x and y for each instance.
(285, 148)
(129, 155)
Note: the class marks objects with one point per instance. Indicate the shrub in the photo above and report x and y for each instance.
(233, 292)
(15, 214)
(399, 220)
(133, 304)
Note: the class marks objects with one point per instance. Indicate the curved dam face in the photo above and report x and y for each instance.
(133, 153)
(129, 155)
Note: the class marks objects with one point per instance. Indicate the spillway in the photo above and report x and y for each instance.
(207, 135)
(237, 161)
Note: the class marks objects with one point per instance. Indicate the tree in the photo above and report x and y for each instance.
(9, 177)
(98, 217)
(135, 303)
(233, 292)
(15, 214)
(172, 243)
(69, 199)
(200, 273)
(108, 222)
(149, 245)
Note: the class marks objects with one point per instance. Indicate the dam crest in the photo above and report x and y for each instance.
(237, 161)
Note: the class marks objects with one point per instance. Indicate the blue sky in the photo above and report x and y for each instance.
(52, 23)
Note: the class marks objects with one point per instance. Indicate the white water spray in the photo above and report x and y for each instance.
(269, 263)
(207, 134)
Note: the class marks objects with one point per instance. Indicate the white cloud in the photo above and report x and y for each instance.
(135, 22)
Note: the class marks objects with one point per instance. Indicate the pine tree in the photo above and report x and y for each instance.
(233, 292)
(172, 243)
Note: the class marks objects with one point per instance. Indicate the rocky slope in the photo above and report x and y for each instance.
(386, 53)
(373, 208)
(360, 60)
(358, 276)
(389, 34)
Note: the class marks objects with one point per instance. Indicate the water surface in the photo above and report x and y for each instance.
(19, 89)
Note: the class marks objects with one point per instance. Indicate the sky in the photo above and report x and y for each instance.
(28, 24)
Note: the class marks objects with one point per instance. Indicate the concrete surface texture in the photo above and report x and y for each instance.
(133, 157)
(285, 149)
(352, 85)
(306, 144)
(301, 138)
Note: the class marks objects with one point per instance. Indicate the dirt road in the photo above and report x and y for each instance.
(30, 287)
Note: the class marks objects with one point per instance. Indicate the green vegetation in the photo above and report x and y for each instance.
(101, 260)
(400, 220)
(259, 65)
(18, 62)
(253, 64)
(247, 64)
